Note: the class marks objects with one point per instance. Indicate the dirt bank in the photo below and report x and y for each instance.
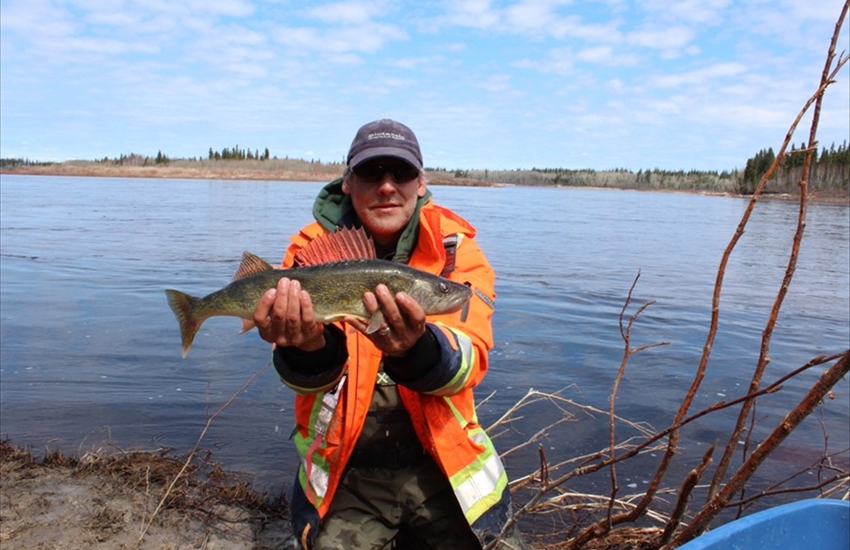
(92, 169)
(303, 171)
(163, 171)
(107, 501)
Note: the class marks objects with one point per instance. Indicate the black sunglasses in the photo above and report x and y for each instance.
(374, 171)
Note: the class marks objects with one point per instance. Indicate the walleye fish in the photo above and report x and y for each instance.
(336, 270)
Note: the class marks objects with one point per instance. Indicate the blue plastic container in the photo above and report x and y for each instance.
(814, 524)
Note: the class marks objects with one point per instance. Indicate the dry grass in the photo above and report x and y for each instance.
(104, 500)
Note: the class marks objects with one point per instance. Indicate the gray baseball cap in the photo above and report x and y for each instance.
(385, 138)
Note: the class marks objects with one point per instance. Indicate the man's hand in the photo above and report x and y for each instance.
(284, 316)
(404, 321)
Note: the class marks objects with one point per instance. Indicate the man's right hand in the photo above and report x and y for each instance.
(284, 316)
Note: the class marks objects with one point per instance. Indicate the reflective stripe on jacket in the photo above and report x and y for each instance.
(441, 406)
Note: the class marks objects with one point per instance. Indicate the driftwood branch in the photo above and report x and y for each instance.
(613, 510)
(688, 485)
(827, 78)
(626, 335)
(788, 424)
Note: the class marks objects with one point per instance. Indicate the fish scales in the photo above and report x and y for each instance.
(336, 290)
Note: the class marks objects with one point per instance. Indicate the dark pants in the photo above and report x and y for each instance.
(372, 505)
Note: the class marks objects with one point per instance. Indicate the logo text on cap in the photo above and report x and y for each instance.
(386, 135)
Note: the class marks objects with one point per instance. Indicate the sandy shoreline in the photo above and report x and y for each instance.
(106, 501)
(317, 173)
(89, 169)
(163, 171)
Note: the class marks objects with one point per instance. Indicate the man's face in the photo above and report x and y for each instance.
(384, 191)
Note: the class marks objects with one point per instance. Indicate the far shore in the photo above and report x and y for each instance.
(318, 173)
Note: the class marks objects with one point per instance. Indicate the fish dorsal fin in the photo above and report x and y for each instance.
(344, 244)
(250, 265)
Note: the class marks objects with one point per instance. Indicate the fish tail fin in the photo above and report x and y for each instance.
(185, 309)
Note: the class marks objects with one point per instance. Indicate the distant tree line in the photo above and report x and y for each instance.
(829, 170)
(227, 153)
(829, 174)
(135, 159)
(616, 178)
(238, 154)
(235, 157)
(12, 162)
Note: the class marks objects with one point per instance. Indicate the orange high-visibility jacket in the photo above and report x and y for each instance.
(329, 419)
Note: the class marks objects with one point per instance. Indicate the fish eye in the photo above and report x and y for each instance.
(444, 288)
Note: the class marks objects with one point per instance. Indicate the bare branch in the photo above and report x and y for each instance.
(688, 485)
(791, 421)
(194, 450)
(817, 98)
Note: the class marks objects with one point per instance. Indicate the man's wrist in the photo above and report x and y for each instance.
(329, 356)
(416, 361)
(315, 344)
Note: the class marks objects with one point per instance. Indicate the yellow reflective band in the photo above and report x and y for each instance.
(322, 416)
(313, 391)
(483, 489)
(327, 408)
(316, 487)
(467, 358)
(319, 479)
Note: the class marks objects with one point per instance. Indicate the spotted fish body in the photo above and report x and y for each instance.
(336, 287)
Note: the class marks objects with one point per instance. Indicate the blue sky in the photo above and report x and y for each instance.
(670, 84)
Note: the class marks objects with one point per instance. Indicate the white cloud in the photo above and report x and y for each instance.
(606, 55)
(36, 18)
(478, 14)
(351, 12)
(501, 85)
(670, 40)
(410, 62)
(692, 11)
(721, 71)
(575, 28)
(629, 75)
(531, 15)
(616, 84)
(558, 61)
(338, 41)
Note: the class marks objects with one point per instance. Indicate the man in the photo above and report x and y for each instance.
(385, 422)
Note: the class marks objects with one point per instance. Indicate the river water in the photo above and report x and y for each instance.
(90, 355)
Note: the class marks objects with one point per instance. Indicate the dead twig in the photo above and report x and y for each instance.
(613, 511)
(811, 400)
(841, 479)
(827, 78)
(625, 334)
(688, 485)
(194, 451)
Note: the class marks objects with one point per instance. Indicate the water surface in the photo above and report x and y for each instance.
(90, 353)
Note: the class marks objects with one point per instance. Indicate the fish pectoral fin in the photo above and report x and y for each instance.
(247, 325)
(375, 322)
